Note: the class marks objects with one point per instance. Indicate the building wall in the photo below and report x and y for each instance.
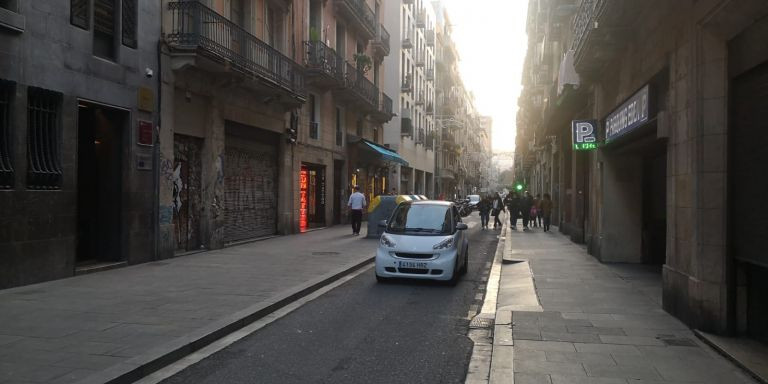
(38, 231)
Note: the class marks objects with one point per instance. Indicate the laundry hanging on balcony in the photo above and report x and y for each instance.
(568, 75)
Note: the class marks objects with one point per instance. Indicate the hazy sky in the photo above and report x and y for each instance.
(490, 36)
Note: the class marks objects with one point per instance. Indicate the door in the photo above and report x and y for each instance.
(99, 182)
(250, 185)
(747, 210)
(187, 186)
(338, 192)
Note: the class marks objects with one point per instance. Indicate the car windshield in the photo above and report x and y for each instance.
(474, 198)
(422, 219)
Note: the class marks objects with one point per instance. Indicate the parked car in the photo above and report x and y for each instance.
(423, 240)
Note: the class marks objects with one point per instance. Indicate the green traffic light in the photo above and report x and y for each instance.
(519, 187)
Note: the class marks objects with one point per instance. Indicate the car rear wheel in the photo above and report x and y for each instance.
(465, 267)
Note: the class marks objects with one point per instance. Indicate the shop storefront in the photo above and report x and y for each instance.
(312, 196)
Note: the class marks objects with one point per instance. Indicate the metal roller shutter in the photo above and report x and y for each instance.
(250, 189)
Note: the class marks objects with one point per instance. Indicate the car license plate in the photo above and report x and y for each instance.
(413, 264)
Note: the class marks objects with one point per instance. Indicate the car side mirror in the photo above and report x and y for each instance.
(382, 223)
(461, 226)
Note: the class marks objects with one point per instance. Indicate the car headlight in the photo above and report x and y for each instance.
(387, 241)
(447, 243)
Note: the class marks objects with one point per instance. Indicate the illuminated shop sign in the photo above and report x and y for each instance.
(584, 135)
(630, 115)
(303, 188)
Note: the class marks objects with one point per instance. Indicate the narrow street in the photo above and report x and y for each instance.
(397, 332)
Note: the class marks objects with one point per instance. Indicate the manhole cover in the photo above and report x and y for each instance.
(481, 322)
(324, 253)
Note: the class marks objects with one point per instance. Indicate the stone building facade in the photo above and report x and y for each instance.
(78, 110)
(272, 112)
(674, 90)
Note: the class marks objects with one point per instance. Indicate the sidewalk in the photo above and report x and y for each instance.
(597, 323)
(122, 324)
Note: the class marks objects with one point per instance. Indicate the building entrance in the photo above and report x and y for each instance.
(312, 196)
(99, 182)
(747, 211)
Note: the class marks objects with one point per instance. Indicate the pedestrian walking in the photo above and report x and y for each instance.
(497, 206)
(526, 203)
(512, 202)
(535, 212)
(356, 204)
(539, 214)
(484, 207)
(546, 210)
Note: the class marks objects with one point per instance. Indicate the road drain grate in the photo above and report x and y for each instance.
(678, 342)
(481, 322)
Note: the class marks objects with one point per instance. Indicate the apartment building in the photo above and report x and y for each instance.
(272, 113)
(78, 111)
(412, 80)
(671, 177)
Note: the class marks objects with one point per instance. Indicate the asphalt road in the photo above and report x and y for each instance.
(363, 332)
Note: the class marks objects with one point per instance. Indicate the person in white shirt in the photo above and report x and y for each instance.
(356, 204)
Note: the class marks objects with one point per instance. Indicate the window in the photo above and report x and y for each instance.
(43, 155)
(274, 26)
(129, 17)
(104, 26)
(79, 13)
(339, 130)
(314, 125)
(7, 89)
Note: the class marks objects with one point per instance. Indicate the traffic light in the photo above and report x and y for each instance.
(293, 129)
(519, 187)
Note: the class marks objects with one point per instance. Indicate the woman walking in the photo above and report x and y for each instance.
(546, 210)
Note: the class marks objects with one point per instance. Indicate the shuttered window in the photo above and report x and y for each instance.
(104, 28)
(129, 16)
(79, 13)
(43, 126)
(6, 156)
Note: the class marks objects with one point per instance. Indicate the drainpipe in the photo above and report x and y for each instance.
(156, 156)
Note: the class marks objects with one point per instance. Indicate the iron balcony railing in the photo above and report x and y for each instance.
(421, 19)
(195, 27)
(323, 58)
(383, 38)
(584, 21)
(430, 36)
(363, 13)
(361, 86)
(385, 105)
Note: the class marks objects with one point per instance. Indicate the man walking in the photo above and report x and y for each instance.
(525, 206)
(356, 204)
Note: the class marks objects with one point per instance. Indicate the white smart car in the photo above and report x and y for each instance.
(423, 240)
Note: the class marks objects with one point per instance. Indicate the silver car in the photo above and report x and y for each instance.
(423, 240)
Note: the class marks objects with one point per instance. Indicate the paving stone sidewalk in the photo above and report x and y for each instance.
(600, 323)
(97, 327)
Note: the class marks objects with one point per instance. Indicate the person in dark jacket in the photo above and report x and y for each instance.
(512, 202)
(545, 206)
(497, 206)
(525, 206)
(484, 206)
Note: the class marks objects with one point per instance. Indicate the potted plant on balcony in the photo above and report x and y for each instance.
(314, 34)
(364, 62)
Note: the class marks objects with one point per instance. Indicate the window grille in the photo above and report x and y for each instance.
(6, 156)
(104, 28)
(130, 20)
(43, 154)
(79, 12)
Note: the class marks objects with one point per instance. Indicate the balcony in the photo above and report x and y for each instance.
(380, 44)
(430, 109)
(600, 28)
(430, 74)
(419, 59)
(324, 67)
(420, 136)
(358, 90)
(430, 141)
(406, 123)
(421, 19)
(420, 99)
(207, 40)
(430, 37)
(360, 16)
(407, 2)
(407, 41)
(407, 86)
(384, 113)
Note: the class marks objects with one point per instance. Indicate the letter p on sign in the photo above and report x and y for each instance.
(585, 132)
